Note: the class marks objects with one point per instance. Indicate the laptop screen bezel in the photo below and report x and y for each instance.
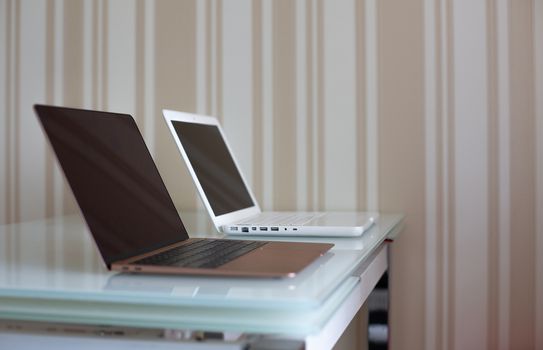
(218, 220)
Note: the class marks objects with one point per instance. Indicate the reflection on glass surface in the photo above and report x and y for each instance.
(305, 287)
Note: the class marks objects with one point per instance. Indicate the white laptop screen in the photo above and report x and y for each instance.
(214, 167)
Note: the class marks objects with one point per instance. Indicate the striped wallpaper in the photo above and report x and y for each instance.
(433, 108)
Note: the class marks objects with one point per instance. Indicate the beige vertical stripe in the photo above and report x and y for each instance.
(95, 65)
(49, 98)
(449, 183)
(431, 159)
(58, 177)
(16, 118)
(175, 79)
(402, 178)
(8, 136)
(15, 129)
(301, 106)
(104, 50)
(504, 178)
(493, 187)
(87, 53)
(73, 90)
(257, 100)
(319, 80)
(538, 60)
(149, 69)
(208, 61)
(522, 177)
(72, 74)
(360, 93)
(60, 185)
(310, 98)
(73, 53)
(212, 57)
(267, 104)
(284, 101)
(201, 59)
(139, 72)
(4, 112)
(372, 110)
(439, 22)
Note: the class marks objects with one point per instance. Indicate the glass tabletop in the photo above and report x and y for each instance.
(50, 270)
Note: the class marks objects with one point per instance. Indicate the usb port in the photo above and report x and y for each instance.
(253, 228)
(244, 229)
(275, 228)
(263, 229)
(233, 228)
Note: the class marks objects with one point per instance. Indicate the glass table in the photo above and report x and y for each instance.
(53, 282)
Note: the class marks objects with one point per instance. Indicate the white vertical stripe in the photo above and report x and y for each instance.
(3, 111)
(430, 114)
(471, 173)
(339, 104)
(504, 198)
(89, 253)
(538, 59)
(237, 82)
(267, 103)
(301, 106)
(213, 72)
(121, 56)
(87, 53)
(372, 166)
(201, 55)
(31, 91)
(10, 169)
(445, 171)
(149, 71)
(58, 96)
(31, 139)
(314, 144)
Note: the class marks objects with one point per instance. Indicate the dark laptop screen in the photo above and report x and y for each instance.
(214, 167)
(114, 180)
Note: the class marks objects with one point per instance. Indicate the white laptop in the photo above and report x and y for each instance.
(226, 196)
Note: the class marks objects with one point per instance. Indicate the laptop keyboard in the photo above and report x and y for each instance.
(208, 253)
(281, 219)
